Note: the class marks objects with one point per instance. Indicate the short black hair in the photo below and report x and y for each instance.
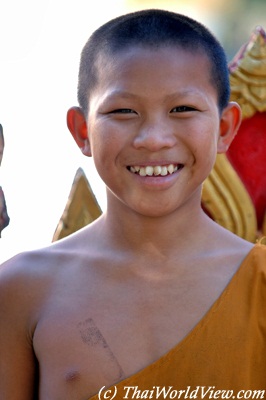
(152, 28)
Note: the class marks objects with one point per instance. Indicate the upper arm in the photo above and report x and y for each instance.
(17, 360)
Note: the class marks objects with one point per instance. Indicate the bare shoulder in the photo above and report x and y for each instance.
(29, 267)
(30, 271)
(28, 277)
(23, 281)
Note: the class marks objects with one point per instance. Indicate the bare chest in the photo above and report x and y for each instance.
(90, 337)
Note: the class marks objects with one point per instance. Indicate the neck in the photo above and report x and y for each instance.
(151, 236)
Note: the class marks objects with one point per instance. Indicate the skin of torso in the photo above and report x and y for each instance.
(95, 322)
(101, 305)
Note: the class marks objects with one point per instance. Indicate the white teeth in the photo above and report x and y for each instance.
(164, 171)
(149, 171)
(156, 170)
(142, 171)
(170, 168)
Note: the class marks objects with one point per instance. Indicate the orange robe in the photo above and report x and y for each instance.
(225, 351)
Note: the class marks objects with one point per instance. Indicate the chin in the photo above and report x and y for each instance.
(154, 213)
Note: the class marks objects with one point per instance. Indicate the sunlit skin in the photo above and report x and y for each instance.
(154, 108)
(106, 302)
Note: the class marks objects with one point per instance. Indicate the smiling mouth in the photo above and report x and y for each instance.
(156, 170)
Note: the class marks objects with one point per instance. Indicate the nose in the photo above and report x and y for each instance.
(155, 135)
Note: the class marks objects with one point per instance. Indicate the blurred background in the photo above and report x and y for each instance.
(40, 45)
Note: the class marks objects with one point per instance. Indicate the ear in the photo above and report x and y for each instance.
(77, 125)
(229, 124)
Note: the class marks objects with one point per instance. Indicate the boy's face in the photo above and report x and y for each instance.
(154, 127)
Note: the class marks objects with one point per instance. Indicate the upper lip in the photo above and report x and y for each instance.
(153, 163)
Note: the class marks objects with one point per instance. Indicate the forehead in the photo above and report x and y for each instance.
(168, 66)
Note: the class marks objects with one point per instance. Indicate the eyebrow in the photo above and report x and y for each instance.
(184, 94)
(117, 93)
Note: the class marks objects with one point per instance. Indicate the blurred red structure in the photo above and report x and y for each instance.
(237, 198)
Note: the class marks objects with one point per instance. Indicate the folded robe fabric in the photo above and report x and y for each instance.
(225, 351)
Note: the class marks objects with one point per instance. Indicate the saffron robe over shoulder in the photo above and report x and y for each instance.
(225, 351)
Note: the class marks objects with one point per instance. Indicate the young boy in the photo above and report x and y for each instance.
(154, 299)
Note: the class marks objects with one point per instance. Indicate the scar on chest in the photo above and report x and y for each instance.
(92, 336)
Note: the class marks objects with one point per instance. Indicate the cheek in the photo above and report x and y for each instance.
(105, 147)
(204, 147)
(108, 140)
(100, 155)
(100, 141)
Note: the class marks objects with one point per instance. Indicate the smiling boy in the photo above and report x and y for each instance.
(153, 293)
